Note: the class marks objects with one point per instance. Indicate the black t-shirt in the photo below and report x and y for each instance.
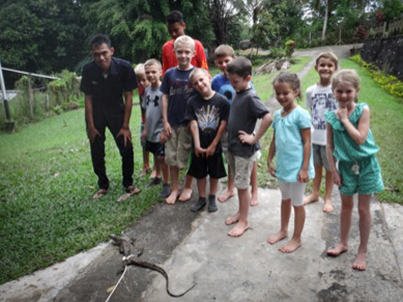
(107, 92)
(208, 114)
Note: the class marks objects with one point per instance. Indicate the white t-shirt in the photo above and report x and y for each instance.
(319, 100)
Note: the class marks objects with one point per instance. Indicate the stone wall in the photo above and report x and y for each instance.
(386, 53)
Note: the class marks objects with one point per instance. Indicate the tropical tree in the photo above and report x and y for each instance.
(40, 35)
(137, 28)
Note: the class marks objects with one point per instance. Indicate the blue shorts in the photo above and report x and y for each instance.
(366, 180)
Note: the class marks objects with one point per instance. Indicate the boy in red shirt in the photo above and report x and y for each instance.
(176, 28)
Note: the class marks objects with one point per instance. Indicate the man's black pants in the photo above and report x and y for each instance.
(114, 123)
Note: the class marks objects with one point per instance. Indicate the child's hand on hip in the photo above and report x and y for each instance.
(246, 138)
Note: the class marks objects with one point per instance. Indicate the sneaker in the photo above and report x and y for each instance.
(166, 189)
(154, 182)
(198, 205)
(212, 206)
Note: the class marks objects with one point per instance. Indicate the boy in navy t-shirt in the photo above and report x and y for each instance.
(176, 91)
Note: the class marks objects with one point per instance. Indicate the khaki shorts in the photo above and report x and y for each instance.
(241, 169)
(178, 147)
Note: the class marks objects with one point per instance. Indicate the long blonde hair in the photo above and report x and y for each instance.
(348, 76)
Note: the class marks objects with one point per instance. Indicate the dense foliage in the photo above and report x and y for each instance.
(52, 35)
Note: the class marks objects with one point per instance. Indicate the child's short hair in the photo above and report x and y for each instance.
(348, 76)
(139, 70)
(240, 66)
(328, 55)
(184, 40)
(195, 71)
(100, 39)
(151, 62)
(290, 78)
(174, 16)
(224, 51)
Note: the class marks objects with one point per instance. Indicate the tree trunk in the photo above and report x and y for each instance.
(325, 20)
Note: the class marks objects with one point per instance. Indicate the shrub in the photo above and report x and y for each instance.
(390, 83)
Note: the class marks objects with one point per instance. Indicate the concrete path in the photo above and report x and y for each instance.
(195, 248)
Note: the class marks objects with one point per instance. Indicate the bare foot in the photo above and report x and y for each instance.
(171, 199)
(132, 190)
(277, 237)
(145, 170)
(290, 246)
(310, 198)
(328, 207)
(239, 229)
(337, 250)
(232, 219)
(153, 174)
(100, 193)
(186, 194)
(226, 195)
(254, 200)
(360, 262)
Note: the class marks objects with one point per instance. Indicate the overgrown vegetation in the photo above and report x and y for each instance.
(390, 83)
(38, 100)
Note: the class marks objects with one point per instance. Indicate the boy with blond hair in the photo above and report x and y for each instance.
(176, 28)
(223, 55)
(153, 124)
(176, 91)
(143, 84)
(320, 99)
(246, 108)
(207, 114)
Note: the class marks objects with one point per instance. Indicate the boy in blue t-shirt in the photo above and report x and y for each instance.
(176, 91)
(223, 55)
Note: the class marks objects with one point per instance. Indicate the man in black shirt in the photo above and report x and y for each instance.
(105, 82)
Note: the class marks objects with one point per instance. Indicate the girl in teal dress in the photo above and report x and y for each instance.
(291, 145)
(350, 142)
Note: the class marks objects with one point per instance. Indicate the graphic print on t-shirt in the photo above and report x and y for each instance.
(227, 91)
(181, 87)
(322, 102)
(208, 118)
(156, 99)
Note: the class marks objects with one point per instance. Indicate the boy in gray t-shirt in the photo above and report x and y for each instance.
(246, 109)
(153, 125)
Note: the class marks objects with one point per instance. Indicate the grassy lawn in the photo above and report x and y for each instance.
(46, 210)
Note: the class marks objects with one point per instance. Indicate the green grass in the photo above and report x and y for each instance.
(46, 210)
(386, 126)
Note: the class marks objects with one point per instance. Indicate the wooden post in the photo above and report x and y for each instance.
(30, 98)
(47, 102)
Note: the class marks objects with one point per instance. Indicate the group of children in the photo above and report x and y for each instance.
(190, 115)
